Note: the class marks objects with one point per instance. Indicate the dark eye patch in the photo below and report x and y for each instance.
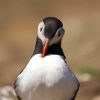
(41, 29)
(59, 34)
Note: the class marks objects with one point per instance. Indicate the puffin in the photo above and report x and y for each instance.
(47, 75)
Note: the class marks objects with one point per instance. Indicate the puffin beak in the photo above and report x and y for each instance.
(45, 47)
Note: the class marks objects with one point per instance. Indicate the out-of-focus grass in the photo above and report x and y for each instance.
(90, 70)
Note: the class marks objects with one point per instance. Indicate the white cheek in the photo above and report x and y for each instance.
(41, 36)
(41, 33)
(57, 38)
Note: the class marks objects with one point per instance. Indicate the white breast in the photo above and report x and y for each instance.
(47, 78)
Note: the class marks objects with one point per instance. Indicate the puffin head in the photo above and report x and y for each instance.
(50, 32)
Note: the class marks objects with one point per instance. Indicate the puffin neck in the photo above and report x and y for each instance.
(54, 49)
(38, 47)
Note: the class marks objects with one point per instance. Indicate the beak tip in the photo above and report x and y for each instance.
(45, 47)
(42, 55)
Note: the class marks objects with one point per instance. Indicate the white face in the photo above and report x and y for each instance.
(41, 28)
(58, 35)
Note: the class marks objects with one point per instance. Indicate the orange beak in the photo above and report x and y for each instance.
(45, 47)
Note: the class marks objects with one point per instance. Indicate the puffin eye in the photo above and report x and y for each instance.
(41, 29)
(59, 34)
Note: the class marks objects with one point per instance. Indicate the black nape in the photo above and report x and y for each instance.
(38, 46)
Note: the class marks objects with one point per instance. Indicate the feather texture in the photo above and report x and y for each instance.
(47, 78)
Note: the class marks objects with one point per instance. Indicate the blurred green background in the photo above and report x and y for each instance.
(81, 18)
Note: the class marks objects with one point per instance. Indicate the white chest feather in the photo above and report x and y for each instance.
(46, 78)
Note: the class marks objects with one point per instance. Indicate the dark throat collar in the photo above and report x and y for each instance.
(54, 49)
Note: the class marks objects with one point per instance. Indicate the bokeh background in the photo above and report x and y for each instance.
(81, 18)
